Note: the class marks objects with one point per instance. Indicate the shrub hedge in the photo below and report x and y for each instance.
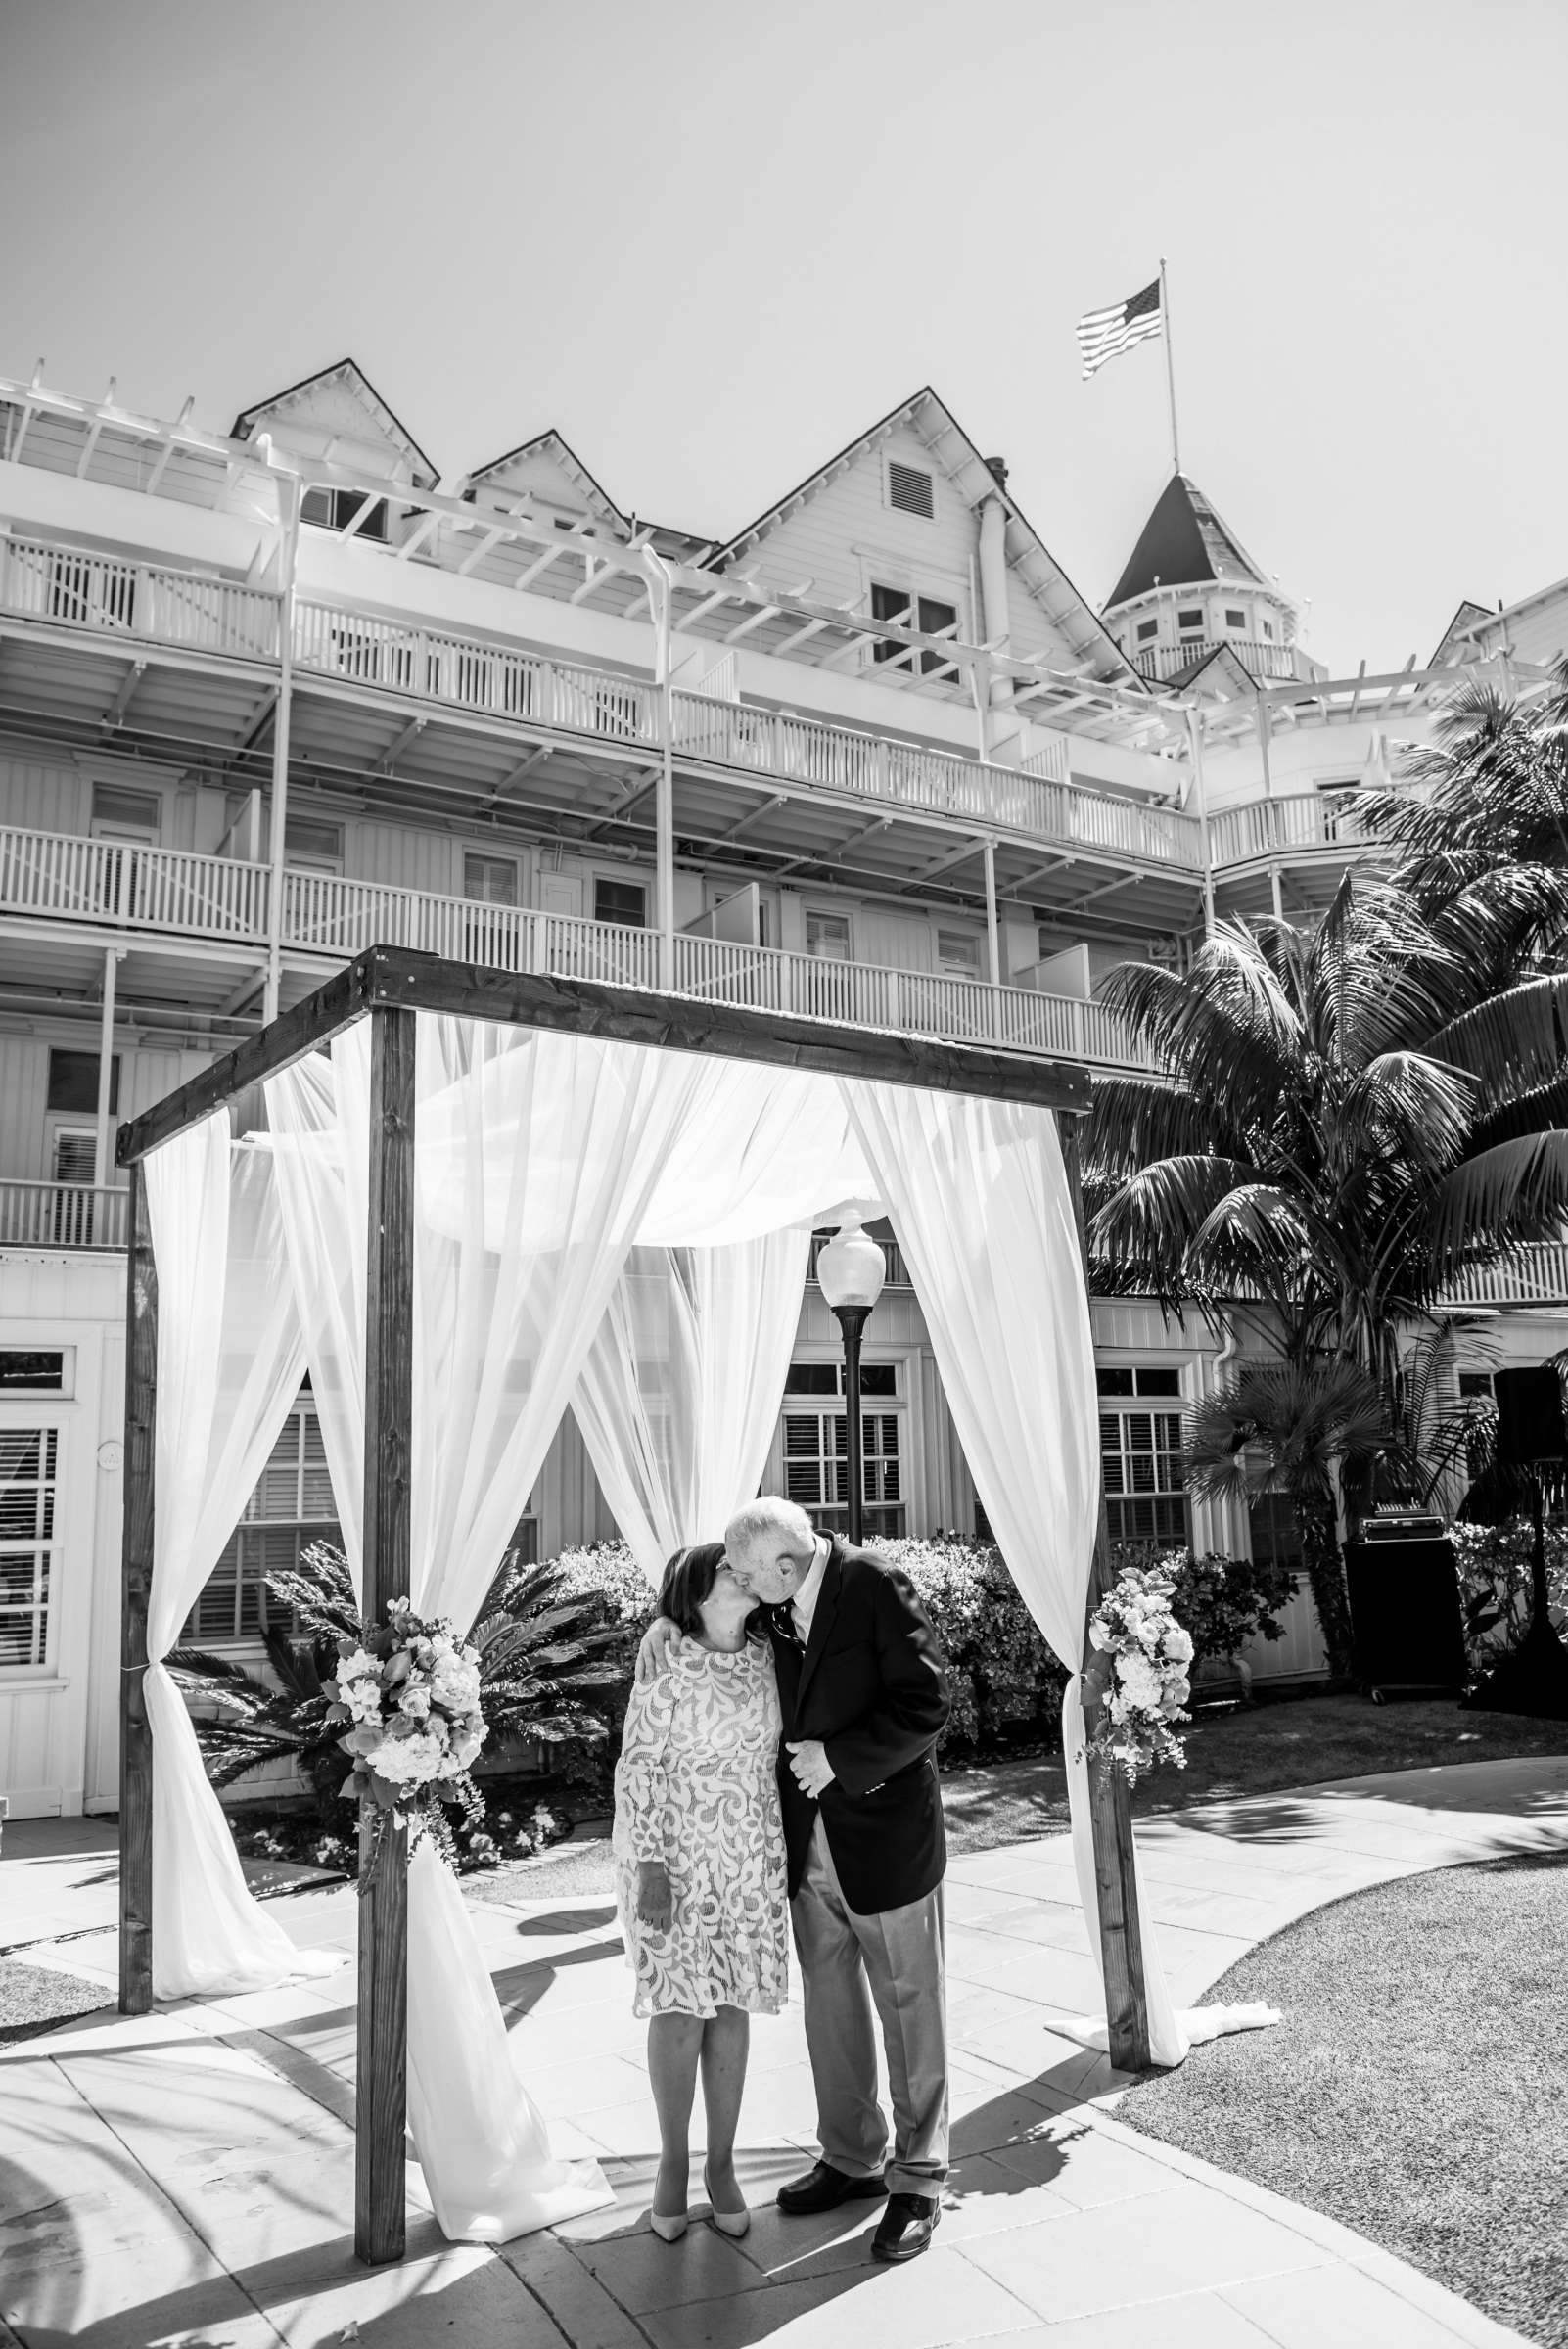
(1005, 1681)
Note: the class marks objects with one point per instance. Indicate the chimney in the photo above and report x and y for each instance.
(996, 467)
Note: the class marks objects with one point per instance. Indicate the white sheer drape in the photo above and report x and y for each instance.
(517, 1249)
(230, 1358)
(679, 1396)
(979, 1198)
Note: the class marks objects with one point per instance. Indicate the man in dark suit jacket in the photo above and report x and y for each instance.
(863, 1692)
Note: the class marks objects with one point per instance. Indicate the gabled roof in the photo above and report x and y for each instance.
(959, 458)
(1455, 642)
(350, 377)
(549, 444)
(1185, 544)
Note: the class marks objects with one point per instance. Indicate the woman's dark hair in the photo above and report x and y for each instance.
(688, 1579)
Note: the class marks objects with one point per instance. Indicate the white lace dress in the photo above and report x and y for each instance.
(696, 1788)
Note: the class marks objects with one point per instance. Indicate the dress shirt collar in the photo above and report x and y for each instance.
(802, 1607)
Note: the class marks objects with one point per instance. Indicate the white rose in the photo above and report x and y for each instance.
(415, 1701)
(1140, 1683)
(1178, 1644)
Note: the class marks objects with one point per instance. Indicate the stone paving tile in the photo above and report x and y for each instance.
(643, 2273)
(1340, 2305)
(459, 2292)
(1085, 2168)
(254, 2171)
(1051, 1923)
(935, 2301)
(1192, 2321)
(1150, 2247)
(571, 2295)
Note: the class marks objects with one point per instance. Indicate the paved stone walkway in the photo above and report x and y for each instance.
(187, 2178)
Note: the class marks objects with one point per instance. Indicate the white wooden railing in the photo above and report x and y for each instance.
(62, 1215)
(1288, 826)
(77, 587)
(473, 673)
(136, 888)
(1536, 1275)
(1163, 660)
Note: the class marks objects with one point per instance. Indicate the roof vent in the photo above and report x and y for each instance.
(996, 467)
(910, 491)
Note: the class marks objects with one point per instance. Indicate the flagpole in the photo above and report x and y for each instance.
(1169, 367)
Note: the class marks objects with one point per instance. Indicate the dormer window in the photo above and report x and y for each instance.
(335, 510)
(911, 490)
(1187, 622)
(1147, 630)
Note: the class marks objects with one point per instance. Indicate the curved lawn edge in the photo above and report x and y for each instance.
(1415, 2096)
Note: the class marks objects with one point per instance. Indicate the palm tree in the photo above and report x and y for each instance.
(1348, 1115)
(1290, 1428)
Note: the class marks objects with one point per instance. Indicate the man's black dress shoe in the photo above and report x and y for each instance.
(824, 2188)
(905, 2227)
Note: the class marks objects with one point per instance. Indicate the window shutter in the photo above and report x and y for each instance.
(910, 491)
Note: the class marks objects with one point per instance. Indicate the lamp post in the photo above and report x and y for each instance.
(849, 1273)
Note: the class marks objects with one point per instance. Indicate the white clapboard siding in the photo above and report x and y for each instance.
(37, 796)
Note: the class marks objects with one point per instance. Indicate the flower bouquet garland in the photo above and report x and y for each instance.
(413, 1693)
(1139, 1674)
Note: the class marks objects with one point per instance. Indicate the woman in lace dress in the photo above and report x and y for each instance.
(699, 1853)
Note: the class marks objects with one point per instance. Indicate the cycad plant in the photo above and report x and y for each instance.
(543, 1660)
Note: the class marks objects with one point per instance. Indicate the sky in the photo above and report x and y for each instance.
(712, 242)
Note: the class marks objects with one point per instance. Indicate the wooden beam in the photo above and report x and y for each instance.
(136, 1586)
(312, 1023)
(381, 2096)
(1126, 2001)
(398, 975)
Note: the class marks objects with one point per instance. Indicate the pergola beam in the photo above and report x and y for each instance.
(397, 976)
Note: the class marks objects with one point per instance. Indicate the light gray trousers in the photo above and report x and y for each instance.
(848, 1965)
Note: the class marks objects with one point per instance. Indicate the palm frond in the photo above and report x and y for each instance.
(1513, 1192)
(1516, 1039)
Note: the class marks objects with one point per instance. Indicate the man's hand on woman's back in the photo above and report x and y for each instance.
(656, 1642)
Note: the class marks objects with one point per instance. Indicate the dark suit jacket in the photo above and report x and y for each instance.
(872, 1686)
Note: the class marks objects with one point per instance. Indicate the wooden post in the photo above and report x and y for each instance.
(136, 1585)
(382, 2090)
(1126, 2003)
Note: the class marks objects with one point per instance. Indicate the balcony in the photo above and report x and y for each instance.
(110, 888)
(1530, 1276)
(134, 605)
(1159, 663)
(1294, 825)
(62, 1215)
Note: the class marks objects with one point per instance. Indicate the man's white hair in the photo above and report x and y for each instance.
(771, 1515)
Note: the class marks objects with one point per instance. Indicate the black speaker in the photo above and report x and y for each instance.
(1530, 1415)
(1404, 1612)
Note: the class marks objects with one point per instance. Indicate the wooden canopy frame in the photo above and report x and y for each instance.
(388, 985)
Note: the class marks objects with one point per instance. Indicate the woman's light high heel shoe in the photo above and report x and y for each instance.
(668, 2229)
(732, 2223)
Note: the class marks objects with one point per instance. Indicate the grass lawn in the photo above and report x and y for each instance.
(1258, 1750)
(1417, 2089)
(40, 1997)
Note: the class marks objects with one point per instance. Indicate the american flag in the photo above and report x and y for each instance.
(1101, 334)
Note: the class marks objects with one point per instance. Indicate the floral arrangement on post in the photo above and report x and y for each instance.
(1136, 1682)
(413, 1696)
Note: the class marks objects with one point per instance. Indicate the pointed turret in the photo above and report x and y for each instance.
(1190, 593)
